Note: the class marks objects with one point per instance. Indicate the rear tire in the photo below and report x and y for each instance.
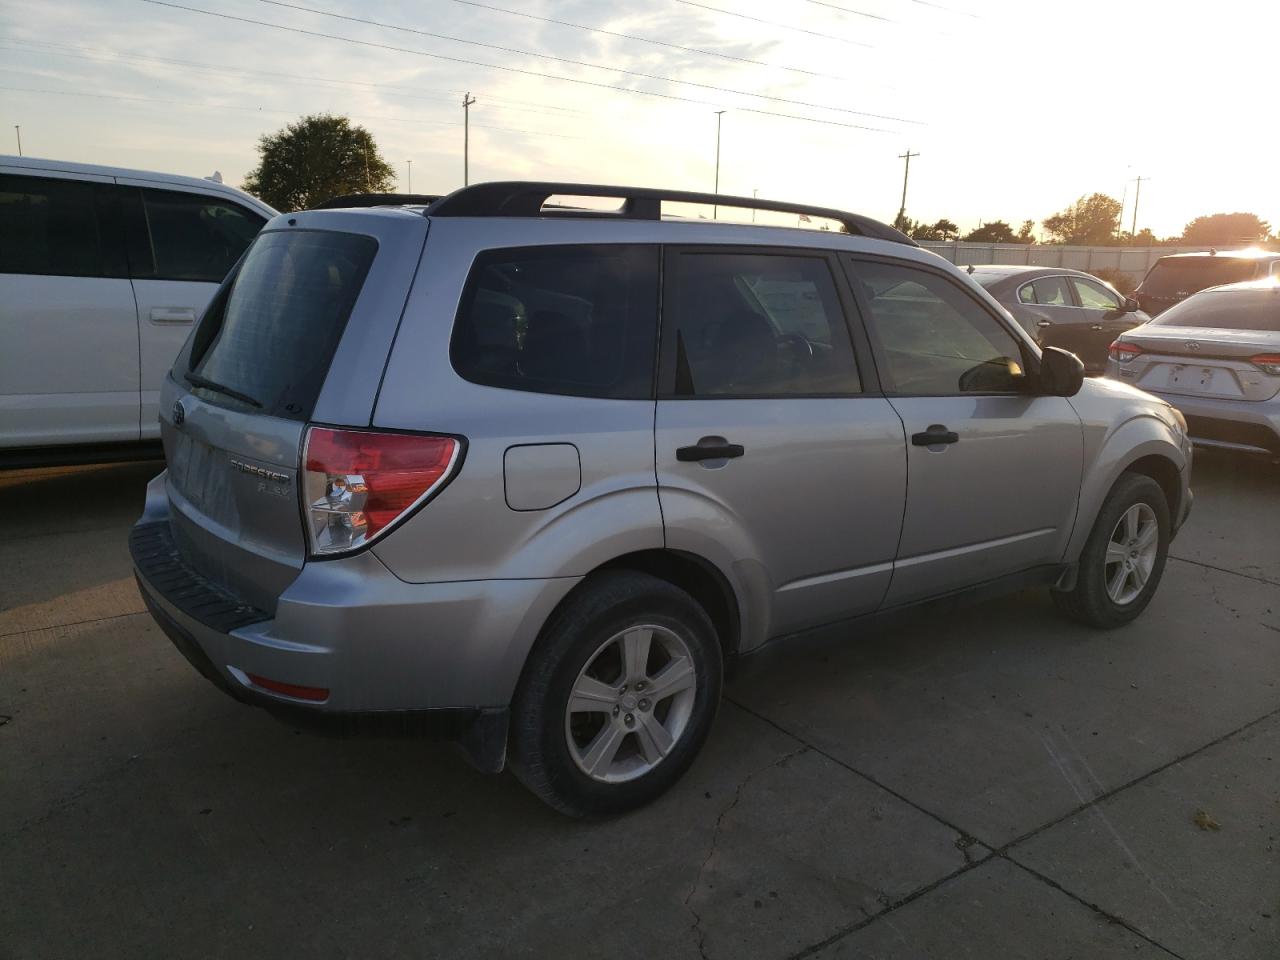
(585, 735)
(1124, 557)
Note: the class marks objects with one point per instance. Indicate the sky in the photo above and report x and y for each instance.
(1015, 107)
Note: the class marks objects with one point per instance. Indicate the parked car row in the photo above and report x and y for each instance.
(103, 272)
(535, 474)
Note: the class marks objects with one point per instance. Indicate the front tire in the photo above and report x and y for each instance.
(1124, 557)
(618, 696)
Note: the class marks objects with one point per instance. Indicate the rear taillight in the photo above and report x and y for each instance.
(1267, 363)
(1122, 352)
(359, 483)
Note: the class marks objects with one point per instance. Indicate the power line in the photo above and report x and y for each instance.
(118, 57)
(677, 98)
(639, 39)
(548, 56)
(775, 23)
(938, 6)
(856, 13)
(288, 113)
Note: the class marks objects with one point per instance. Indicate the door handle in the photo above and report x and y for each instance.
(1095, 326)
(710, 448)
(173, 314)
(1043, 323)
(936, 434)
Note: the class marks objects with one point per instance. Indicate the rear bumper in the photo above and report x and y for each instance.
(382, 652)
(1250, 427)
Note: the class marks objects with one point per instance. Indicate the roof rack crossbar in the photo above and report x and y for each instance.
(527, 199)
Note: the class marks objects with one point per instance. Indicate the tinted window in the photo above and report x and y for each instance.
(741, 324)
(934, 338)
(1183, 276)
(271, 334)
(1094, 296)
(1237, 310)
(578, 320)
(1049, 291)
(56, 227)
(194, 237)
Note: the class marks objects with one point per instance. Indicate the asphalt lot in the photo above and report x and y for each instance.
(990, 782)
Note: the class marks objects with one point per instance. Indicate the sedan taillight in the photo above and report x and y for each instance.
(359, 483)
(1267, 363)
(1122, 352)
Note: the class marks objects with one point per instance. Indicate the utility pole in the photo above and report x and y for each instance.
(467, 101)
(410, 186)
(17, 128)
(1133, 232)
(755, 195)
(715, 208)
(902, 211)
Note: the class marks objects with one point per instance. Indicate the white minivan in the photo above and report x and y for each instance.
(102, 273)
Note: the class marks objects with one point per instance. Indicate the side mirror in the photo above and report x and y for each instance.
(1061, 372)
(1131, 305)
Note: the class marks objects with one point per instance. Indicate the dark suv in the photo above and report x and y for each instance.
(1173, 278)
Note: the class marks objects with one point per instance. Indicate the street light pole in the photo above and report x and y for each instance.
(755, 195)
(715, 208)
(467, 101)
(1137, 193)
(17, 128)
(410, 187)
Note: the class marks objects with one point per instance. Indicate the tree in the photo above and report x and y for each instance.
(1221, 228)
(1090, 221)
(318, 157)
(1025, 233)
(997, 231)
(923, 231)
(946, 230)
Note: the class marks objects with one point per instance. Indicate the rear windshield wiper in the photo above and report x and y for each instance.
(198, 381)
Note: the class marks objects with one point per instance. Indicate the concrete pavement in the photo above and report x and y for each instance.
(991, 782)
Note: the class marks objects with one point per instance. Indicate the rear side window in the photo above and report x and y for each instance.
(57, 228)
(742, 324)
(192, 237)
(1048, 291)
(269, 336)
(1183, 276)
(576, 320)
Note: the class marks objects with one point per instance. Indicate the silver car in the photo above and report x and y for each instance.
(533, 474)
(1216, 356)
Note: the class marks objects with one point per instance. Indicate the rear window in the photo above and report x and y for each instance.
(1183, 276)
(1237, 310)
(270, 334)
(576, 320)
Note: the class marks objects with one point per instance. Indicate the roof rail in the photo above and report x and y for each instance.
(518, 198)
(377, 200)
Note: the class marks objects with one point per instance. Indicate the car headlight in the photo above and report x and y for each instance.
(1179, 419)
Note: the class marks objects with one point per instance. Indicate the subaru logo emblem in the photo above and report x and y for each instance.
(1193, 344)
(179, 413)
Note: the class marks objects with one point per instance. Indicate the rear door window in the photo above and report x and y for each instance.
(268, 337)
(56, 227)
(740, 324)
(1047, 291)
(575, 319)
(192, 237)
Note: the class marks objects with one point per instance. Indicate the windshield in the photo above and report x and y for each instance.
(1183, 276)
(267, 342)
(1227, 310)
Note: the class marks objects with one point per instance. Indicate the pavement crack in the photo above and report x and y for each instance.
(715, 842)
(1234, 573)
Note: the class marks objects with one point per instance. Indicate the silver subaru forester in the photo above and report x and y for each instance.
(532, 472)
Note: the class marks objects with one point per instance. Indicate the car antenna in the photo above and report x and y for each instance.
(970, 271)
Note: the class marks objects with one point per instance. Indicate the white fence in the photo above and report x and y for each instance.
(1132, 261)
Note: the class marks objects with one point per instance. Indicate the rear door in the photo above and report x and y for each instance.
(1057, 320)
(993, 472)
(68, 323)
(181, 246)
(776, 455)
(234, 411)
